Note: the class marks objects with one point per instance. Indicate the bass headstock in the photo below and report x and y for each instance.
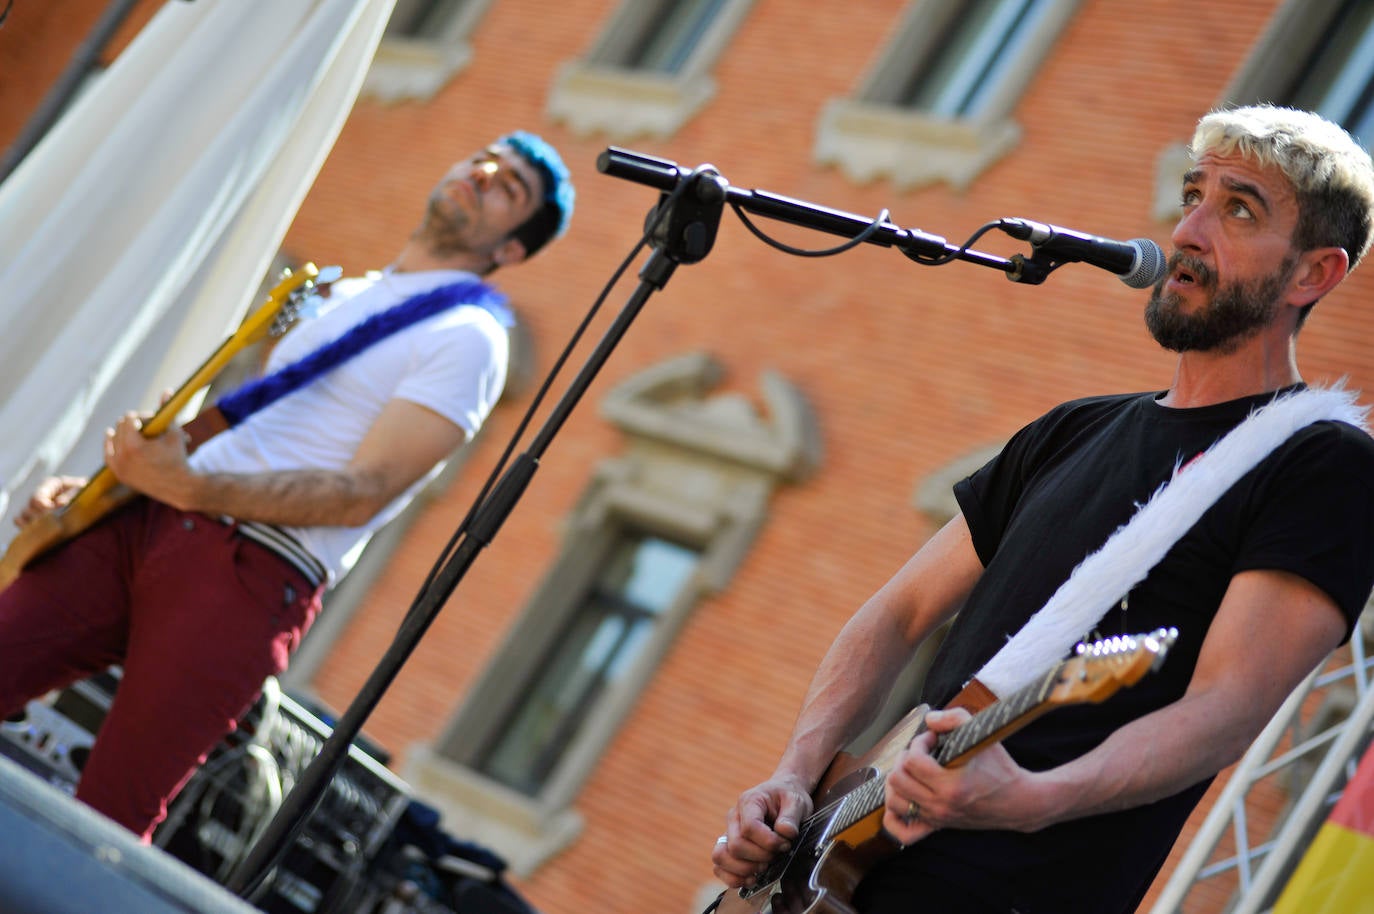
(302, 298)
(285, 302)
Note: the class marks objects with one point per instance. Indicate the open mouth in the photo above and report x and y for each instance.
(1189, 271)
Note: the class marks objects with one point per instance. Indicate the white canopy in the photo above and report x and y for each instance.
(134, 237)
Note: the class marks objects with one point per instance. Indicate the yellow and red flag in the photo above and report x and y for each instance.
(1336, 875)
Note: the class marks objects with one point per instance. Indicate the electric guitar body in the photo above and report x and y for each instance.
(844, 838)
(102, 493)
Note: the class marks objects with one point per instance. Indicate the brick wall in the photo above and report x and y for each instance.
(907, 367)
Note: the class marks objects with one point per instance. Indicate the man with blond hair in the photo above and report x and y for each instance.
(1262, 576)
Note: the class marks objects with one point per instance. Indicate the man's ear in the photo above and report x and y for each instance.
(1318, 271)
(509, 252)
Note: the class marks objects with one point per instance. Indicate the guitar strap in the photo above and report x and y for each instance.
(234, 407)
(1136, 547)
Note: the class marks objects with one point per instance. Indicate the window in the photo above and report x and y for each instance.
(657, 530)
(422, 19)
(1314, 54)
(425, 43)
(936, 104)
(1337, 77)
(649, 70)
(660, 37)
(970, 58)
(605, 638)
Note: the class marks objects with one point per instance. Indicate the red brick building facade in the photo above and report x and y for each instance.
(904, 369)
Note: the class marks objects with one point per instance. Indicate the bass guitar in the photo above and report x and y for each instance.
(102, 493)
(844, 837)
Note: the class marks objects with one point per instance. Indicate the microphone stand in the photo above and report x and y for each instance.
(914, 243)
(682, 229)
(685, 233)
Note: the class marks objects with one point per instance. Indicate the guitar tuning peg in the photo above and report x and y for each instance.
(329, 274)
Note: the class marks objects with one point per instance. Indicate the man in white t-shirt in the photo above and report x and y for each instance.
(202, 588)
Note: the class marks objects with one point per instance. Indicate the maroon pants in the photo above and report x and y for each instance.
(198, 616)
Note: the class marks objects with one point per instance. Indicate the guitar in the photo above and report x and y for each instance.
(102, 493)
(844, 837)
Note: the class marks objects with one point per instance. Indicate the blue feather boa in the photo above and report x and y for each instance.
(257, 394)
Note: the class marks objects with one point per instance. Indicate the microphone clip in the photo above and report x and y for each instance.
(1033, 270)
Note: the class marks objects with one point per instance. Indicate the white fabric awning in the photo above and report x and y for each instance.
(134, 237)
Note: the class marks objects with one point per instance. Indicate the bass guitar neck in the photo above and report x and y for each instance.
(102, 493)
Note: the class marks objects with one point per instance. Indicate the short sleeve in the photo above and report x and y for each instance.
(1313, 514)
(458, 366)
(988, 497)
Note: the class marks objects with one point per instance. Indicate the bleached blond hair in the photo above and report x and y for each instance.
(1330, 172)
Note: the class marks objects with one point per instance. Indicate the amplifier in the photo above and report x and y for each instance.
(52, 736)
(225, 805)
(230, 799)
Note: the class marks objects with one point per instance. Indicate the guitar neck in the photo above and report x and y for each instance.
(996, 722)
(103, 481)
(102, 493)
(952, 749)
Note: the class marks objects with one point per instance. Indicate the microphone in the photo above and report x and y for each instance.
(1139, 262)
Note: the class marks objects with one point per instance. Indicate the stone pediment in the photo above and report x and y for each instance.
(672, 404)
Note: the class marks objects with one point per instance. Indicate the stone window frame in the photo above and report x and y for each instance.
(699, 469)
(407, 67)
(599, 94)
(869, 137)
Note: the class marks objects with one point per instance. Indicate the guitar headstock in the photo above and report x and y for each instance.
(1100, 668)
(303, 297)
(285, 302)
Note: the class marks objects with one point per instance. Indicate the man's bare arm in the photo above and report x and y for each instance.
(1271, 630)
(850, 685)
(403, 444)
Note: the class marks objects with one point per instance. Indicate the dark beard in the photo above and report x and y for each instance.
(441, 229)
(1237, 312)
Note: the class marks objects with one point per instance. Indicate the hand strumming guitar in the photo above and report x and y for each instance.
(761, 825)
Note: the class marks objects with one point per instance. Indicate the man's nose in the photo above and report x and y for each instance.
(485, 172)
(1192, 230)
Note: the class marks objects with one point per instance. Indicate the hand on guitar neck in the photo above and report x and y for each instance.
(922, 795)
(153, 465)
(129, 456)
(64, 507)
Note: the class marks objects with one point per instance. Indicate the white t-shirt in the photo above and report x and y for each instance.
(453, 363)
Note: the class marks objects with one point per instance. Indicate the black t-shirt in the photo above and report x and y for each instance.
(1054, 495)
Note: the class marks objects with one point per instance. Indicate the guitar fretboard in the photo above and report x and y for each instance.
(949, 746)
(868, 797)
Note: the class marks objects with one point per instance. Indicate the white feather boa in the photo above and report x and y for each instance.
(1105, 577)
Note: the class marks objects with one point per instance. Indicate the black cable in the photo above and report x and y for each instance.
(660, 214)
(948, 256)
(857, 240)
(868, 232)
